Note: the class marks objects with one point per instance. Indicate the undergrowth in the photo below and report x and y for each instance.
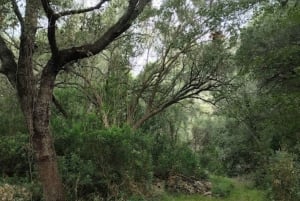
(224, 189)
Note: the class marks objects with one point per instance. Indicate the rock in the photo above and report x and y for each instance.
(190, 185)
(208, 194)
(158, 186)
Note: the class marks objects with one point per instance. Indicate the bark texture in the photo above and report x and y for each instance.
(36, 93)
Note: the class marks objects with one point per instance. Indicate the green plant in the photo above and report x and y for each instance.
(176, 158)
(284, 175)
(14, 159)
(111, 163)
(221, 187)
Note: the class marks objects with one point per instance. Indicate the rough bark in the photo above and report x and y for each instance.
(43, 144)
(35, 98)
(36, 114)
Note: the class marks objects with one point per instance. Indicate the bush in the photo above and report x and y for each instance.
(117, 162)
(78, 174)
(14, 155)
(113, 163)
(121, 151)
(284, 177)
(178, 158)
(221, 187)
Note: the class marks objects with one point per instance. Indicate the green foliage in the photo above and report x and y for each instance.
(119, 163)
(273, 57)
(73, 103)
(112, 163)
(240, 192)
(78, 175)
(10, 111)
(122, 152)
(221, 187)
(178, 158)
(14, 155)
(257, 124)
(260, 115)
(208, 138)
(284, 177)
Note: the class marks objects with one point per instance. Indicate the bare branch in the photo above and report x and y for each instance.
(79, 11)
(52, 17)
(17, 12)
(59, 107)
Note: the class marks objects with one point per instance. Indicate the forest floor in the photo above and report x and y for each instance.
(240, 191)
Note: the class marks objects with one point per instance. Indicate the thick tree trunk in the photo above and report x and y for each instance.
(37, 118)
(43, 144)
(46, 163)
(35, 105)
(45, 156)
(36, 114)
(35, 98)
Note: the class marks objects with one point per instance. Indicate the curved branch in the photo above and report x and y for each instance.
(79, 11)
(17, 12)
(135, 7)
(52, 17)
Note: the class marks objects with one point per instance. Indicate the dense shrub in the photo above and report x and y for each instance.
(117, 162)
(178, 158)
(113, 162)
(284, 177)
(14, 158)
(12, 120)
(221, 187)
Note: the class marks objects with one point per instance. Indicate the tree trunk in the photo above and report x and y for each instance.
(46, 162)
(35, 105)
(35, 98)
(43, 144)
(37, 116)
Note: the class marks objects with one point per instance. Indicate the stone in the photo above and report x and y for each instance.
(190, 185)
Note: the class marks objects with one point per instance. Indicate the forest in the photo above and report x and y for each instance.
(150, 100)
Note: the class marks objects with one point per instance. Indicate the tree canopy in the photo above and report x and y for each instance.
(124, 91)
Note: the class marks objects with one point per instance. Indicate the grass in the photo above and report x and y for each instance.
(231, 189)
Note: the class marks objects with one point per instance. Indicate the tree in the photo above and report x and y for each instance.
(35, 92)
(262, 110)
(273, 58)
(179, 72)
(187, 63)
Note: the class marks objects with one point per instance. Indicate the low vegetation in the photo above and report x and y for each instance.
(142, 100)
(224, 189)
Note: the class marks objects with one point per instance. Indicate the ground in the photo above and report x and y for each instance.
(241, 191)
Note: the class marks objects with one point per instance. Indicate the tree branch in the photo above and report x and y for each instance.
(79, 11)
(52, 17)
(135, 7)
(59, 106)
(17, 12)
(9, 65)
